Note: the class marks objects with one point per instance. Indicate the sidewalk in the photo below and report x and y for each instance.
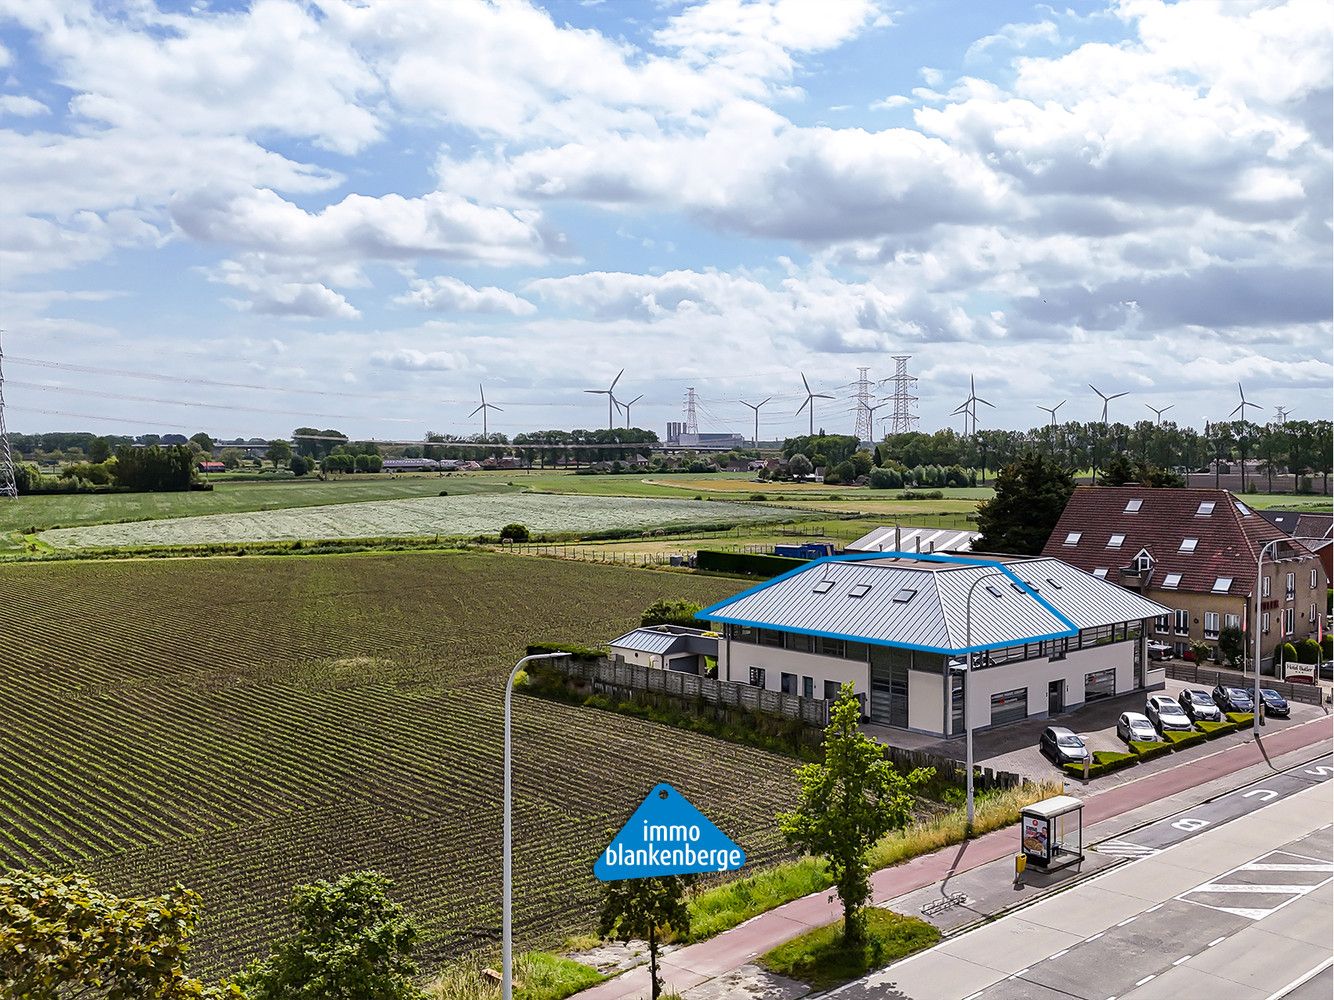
(698, 963)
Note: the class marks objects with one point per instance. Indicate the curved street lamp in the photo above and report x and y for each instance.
(1259, 571)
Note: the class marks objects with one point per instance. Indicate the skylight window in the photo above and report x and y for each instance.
(1054, 583)
(1222, 585)
(1171, 581)
(1073, 538)
(1205, 509)
(860, 590)
(904, 596)
(1243, 509)
(1115, 541)
(1133, 506)
(993, 591)
(1188, 544)
(823, 587)
(1100, 572)
(1020, 590)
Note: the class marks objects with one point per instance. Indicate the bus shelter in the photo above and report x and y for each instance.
(1052, 833)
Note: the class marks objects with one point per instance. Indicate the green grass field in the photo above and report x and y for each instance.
(243, 725)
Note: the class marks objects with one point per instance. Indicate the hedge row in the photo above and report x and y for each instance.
(577, 652)
(746, 563)
(1183, 739)
(1104, 762)
(1147, 751)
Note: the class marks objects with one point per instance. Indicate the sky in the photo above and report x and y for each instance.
(246, 217)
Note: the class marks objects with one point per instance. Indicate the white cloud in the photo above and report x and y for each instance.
(1014, 36)
(448, 294)
(21, 106)
(409, 359)
(891, 102)
(272, 294)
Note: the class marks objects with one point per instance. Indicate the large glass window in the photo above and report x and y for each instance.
(1211, 624)
(1099, 684)
(757, 677)
(831, 647)
(1009, 706)
(787, 683)
(1182, 621)
(798, 643)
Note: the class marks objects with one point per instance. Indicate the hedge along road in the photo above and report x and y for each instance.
(449, 516)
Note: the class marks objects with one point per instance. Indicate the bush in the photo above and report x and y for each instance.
(1183, 739)
(1242, 719)
(915, 495)
(514, 533)
(1147, 751)
(578, 652)
(885, 479)
(1309, 651)
(1327, 646)
(1287, 653)
(1213, 729)
(746, 563)
(666, 611)
(1104, 762)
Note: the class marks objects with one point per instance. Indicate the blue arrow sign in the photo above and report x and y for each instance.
(666, 835)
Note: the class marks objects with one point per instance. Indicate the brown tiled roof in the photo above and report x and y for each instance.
(1228, 539)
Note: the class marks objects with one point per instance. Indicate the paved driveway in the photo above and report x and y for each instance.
(1014, 747)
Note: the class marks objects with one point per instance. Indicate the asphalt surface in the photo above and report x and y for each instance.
(1233, 900)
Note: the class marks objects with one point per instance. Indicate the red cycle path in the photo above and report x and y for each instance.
(731, 949)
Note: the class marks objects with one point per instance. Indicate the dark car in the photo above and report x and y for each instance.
(1233, 699)
(1276, 706)
(1199, 705)
(1061, 746)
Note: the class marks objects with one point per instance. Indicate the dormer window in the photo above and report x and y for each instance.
(1143, 561)
(1115, 541)
(1205, 509)
(1073, 538)
(1133, 506)
(1188, 545)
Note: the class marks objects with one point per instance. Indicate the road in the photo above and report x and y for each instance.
(1236, 904)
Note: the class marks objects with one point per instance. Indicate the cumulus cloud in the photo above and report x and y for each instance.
(448, 294)
(408, 359)
(1014, 36)
(21, 106)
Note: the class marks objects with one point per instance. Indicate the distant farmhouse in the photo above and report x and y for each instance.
(1195, 551)
(895, 628)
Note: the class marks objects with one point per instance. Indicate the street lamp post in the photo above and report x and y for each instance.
(507, 959)
(1259, 571)
(968, 692)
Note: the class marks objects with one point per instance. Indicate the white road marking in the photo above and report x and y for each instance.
(1095, 936)
(1146, 979)
(1298, 890)
(1217, 941)
(1183, 958)
(1126, 849)
(1300, 980)
(1329, 867)
(1020, 972)
(1129, 920)
(1151, 909)
(1063, 951)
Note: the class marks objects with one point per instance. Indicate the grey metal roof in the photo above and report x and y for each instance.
(894, 538)
(936, 616)
(659, 641)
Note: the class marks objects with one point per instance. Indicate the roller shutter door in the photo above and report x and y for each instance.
(1009, 706)
(1100, 684)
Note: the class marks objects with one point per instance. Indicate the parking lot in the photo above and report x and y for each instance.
(1014, 747)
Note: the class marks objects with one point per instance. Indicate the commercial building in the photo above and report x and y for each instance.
(1195, 551)
(896, 538)
(1045, 637)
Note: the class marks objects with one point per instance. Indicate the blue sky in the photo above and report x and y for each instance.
(362, 211)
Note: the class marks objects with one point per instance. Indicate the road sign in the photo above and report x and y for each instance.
(666, 835)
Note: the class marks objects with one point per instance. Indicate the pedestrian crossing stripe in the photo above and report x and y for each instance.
(1126, 849)
(1265, 863)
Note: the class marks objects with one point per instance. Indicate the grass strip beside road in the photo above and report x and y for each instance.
(723, 907)
(538, 975)
(822, 959)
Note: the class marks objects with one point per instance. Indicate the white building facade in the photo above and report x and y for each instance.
(1045, 638)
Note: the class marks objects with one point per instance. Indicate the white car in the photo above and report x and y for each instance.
(1160, 651)
(1166, 714)
(1136, 727)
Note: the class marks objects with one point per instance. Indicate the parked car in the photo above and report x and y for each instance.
(1060, 746)
(1199, 705)
(1276, 705)
(1166, 714)
(1160, 651)
(1133, 726)
(1233, 699)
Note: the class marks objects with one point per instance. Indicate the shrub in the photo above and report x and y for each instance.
(1327, 646)
(1104, 762)
(514, 533)
(1202, 651)
(1287, 653)
(1212, 729)
(1147, 751)
(916, 495)
(667, 611)
(885, 479)
(1183, 739)
(1309, 651)
(745, 563)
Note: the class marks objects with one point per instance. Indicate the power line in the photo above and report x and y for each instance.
(9, 486)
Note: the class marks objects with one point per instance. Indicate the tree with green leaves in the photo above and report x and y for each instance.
(1232, 646)
(279, 453)
(799, 466)
(99, 450)
(61, 936)
(846, 804)
(1119, 471)
(351, 940)
(1030, 496)
(672, 611)
(643, 909)
(205, 441)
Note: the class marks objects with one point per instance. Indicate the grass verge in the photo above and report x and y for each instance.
(822, 959)
(723, 907)
(537, 975)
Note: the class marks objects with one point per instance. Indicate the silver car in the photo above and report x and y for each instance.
(1166, 714)
(1200, 705)
(1136, 727)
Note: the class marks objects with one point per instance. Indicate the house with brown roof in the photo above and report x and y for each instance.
(1195, 551)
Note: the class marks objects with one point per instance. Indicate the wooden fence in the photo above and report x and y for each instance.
(1308, 694)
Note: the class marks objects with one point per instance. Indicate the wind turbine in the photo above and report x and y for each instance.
(1159, 412)
(870, 412)
(611, 398)
(1106, 399)
(1282, 413)
(1241, 407)
(1052, 410)
(811, 397)
(969, 406)
(483, 408)
(626, 407)
(755, 441)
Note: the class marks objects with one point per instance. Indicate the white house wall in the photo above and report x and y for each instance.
(1035, 674)
(735, 666)
(926, 702)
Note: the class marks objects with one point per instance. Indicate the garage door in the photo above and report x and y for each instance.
(1101, 684)
(1009, 706)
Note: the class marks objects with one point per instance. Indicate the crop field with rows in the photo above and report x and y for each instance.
(244, 725)
(449, 516)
